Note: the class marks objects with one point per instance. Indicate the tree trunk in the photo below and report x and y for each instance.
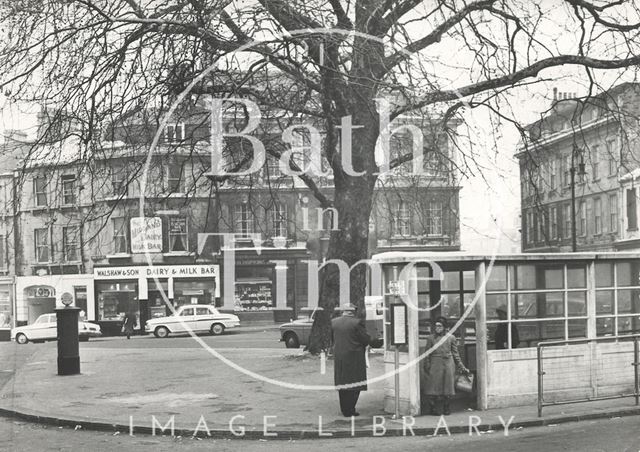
(349, 244)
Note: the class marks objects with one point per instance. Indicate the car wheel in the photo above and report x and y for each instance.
(217, 329)
(21, 339)
(161, 331)
(291, 340)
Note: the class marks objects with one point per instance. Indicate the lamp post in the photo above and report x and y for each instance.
(576, 151)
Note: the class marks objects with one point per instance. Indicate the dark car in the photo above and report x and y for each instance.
(296, 333)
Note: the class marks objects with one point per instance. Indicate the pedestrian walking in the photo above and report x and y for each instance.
(129, 322)
(439, 369)
(350, 340)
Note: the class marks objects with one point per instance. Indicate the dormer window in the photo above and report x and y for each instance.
(174, 133)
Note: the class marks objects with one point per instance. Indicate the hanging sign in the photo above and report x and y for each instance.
(146, 235)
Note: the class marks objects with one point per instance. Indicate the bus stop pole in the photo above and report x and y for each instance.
(397, 382)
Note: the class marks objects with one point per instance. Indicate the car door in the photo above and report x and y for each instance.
(204, 318)
(45, 327)
(186, 318)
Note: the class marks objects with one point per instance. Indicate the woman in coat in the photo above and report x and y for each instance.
(439, 369)
(129, 323)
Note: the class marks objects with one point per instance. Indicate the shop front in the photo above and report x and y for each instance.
(151, 292)
(6, 308)
(271, 285)
(37, 295)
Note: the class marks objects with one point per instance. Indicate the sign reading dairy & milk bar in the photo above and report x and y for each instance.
(146, 235)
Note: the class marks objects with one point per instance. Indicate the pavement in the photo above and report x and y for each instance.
(238, 393)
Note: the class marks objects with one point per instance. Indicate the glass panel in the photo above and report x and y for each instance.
(451, 281)
(450, 305)
(604, 326)
(628, 301)
(604, 302)
(552, 330)
(577, 304)
(628, 325)
(524, 306)
(553, 278)
(469, 280)
(553, 304)
(627, 273)
(497, 278)
(468, 299)
(424, 278)
(493, 302)
(577, 328)
(576, 277)
(533, 332)
(604, 275)
(525, 277)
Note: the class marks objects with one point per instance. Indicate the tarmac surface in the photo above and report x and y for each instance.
(182, 391)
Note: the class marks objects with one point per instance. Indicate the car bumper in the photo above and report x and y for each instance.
(90, 334)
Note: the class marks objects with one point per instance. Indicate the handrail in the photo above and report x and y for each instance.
(635, 364)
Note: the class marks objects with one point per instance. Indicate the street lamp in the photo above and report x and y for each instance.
(575, 152)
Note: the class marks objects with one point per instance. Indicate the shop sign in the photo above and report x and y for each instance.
(40, 292)
(158, 271)
(146, 235)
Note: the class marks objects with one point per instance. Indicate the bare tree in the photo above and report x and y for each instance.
(101, 59)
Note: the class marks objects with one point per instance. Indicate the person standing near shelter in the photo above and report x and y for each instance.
(439, 369)
(350, 340)
(129, 323)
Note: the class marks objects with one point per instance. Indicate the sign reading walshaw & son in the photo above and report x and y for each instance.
(159, 271)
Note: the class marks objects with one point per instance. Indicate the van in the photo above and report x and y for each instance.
(374, 319)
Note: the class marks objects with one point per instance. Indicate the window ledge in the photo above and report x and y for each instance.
(178, 253)
(177, 195)
(118, 256)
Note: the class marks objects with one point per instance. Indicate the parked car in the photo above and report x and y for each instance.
(197, 318)
(296, 333)
(45, 328)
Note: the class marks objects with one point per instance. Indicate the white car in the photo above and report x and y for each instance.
(197, 318)
(45, 328)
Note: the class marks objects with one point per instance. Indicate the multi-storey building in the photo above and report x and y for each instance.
(87, 215)
(596, 139)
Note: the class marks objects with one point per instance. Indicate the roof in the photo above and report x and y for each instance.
(429, 256)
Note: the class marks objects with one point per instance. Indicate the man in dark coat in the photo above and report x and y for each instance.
(350, 340)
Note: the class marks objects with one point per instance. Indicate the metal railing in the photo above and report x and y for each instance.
(541, 373)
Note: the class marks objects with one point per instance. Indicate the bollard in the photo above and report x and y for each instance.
(68, 341)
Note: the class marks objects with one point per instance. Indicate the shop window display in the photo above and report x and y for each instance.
(116, 299)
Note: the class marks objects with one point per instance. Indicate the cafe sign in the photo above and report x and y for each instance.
(158, 271)
(146, 235)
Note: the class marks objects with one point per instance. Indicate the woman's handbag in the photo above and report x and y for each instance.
(464, 383)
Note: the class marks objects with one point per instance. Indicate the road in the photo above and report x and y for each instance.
(13, 356)
(609, 435)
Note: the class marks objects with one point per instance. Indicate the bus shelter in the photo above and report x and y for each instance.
(521, 300)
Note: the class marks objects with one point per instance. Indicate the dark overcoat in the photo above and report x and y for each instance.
(129, 323)
(439, 367)
(350, 340)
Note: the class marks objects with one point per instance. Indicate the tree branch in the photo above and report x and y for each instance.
(511, 79)
(436, 34)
